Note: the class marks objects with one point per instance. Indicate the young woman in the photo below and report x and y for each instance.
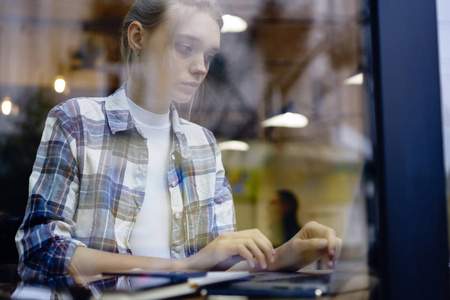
(125, 175)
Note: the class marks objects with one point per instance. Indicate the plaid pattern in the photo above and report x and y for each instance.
(88, 183)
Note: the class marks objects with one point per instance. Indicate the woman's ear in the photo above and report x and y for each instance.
(136, 36)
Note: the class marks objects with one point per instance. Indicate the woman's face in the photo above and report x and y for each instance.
(275, 208)
(175, 69)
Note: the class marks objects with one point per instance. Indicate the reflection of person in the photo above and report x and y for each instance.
(283, 209)
(125, 175)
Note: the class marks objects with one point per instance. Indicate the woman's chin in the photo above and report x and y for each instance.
(182, 100)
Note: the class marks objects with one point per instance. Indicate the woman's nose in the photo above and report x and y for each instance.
(199, 67)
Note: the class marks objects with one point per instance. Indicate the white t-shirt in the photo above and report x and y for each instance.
(151, 232)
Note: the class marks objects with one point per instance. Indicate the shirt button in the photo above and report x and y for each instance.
(178, 248)
(174, 183)
(177, 216)
(173, 157)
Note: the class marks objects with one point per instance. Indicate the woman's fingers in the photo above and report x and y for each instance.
(246, 254)
(317, 230)
(251, 245)
(256, 244)
(257, 253)
(317, 245)
(335, 253)
(265, 245)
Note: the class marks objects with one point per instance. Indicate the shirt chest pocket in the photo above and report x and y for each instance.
(198, 190)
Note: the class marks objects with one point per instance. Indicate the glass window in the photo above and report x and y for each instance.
(286, 98)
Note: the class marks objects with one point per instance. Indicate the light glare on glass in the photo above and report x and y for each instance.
(233, 145)
(233, 24)
(290, 120)
(357, 79)
(6, 106)
(60, 84)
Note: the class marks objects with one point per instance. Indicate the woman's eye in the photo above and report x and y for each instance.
(185, 48)
(209, 58)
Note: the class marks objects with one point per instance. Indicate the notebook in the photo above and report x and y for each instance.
(159, 287)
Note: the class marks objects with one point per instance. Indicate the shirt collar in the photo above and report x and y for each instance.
(120, 119)
(118, 111)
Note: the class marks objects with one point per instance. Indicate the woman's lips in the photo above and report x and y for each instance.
(190, 86)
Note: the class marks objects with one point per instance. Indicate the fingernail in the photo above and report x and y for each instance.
(330, 264)
(333, 252)
(273, 251)
(272, 259)
(263, 265)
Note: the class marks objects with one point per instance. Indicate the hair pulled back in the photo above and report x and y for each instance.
(152, 13)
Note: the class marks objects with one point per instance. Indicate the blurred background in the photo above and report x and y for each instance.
(286, 59)
(287, 100)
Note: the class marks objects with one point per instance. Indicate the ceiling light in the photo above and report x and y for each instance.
(357, 79)
(290, 120)
(60, 84)
(6, 106)
(233, 24)
(234, 145)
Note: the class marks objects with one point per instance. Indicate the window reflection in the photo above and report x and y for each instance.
(297, 61)
(296, 58)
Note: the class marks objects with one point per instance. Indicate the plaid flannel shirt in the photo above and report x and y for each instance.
(88, 182)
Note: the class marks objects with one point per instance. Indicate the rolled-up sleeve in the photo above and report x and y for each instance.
(44, 239)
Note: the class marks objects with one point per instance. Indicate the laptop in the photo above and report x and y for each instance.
(350, 272)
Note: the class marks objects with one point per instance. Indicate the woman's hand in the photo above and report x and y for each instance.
(88, 264)
(250, 245)
(311, 243)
